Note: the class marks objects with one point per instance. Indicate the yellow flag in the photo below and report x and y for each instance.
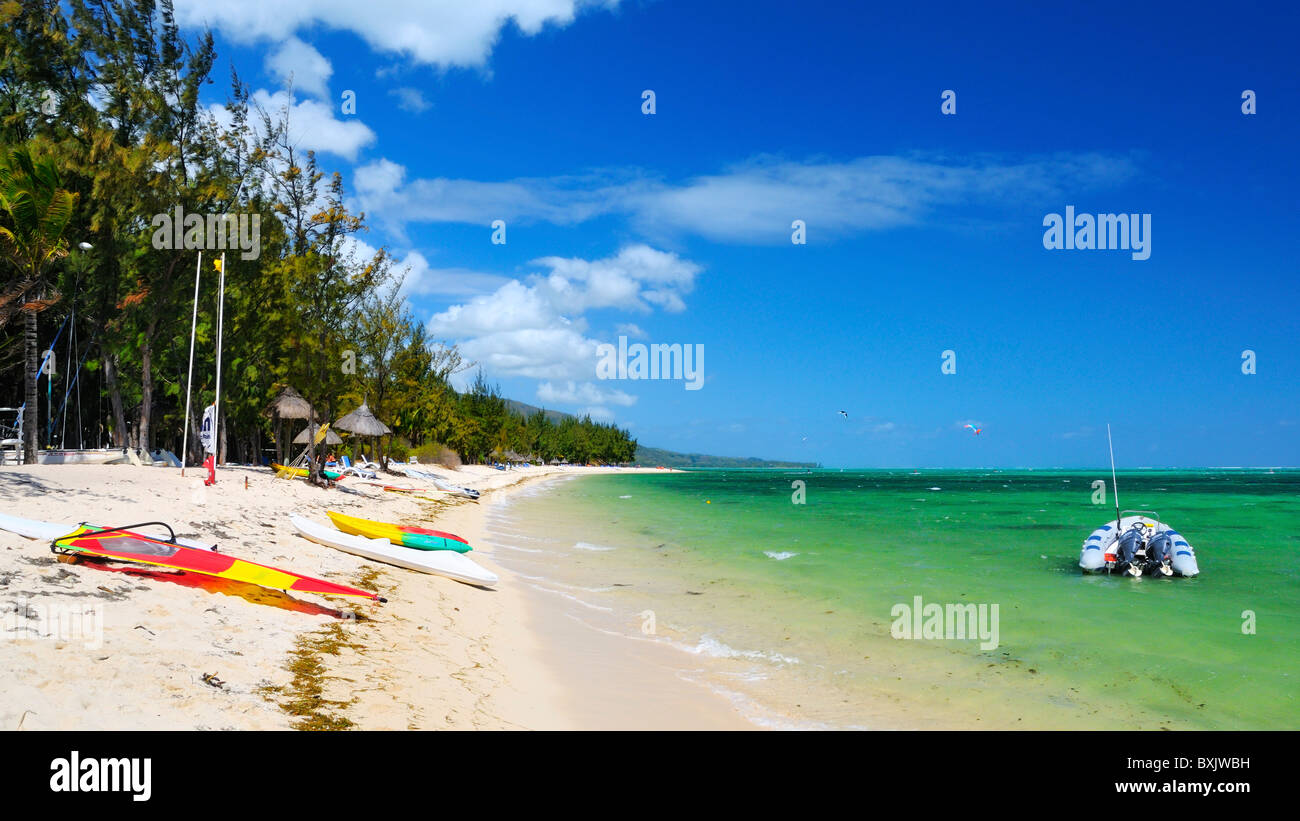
(216, 265)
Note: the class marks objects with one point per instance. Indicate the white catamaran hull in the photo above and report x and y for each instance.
(441, 483)
(106, 456)
(447, 563)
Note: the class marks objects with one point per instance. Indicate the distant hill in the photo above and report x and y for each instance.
(668, 458)
(524, 409)
(672, 459)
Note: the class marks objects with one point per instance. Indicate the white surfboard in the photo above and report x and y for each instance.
(32, 529)
(49, 531)
(447, 563)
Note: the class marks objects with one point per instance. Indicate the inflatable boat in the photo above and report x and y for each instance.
(1141, 545)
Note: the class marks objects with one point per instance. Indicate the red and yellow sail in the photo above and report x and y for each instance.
(133, 547)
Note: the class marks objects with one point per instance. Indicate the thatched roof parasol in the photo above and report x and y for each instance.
(289, 404)
(363, 423)
(309, 432)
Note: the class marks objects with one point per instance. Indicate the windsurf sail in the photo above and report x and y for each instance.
(125, 545)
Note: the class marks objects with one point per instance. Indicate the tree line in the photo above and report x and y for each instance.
(103, 132)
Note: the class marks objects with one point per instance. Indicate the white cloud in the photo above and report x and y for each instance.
(598, 414)
(383, 192)
(411, 99)
(536, 327)
(302, 65)
(420, 278)
(754, 202)
(536, 353)
(425, 280)
(312, 124)
(444, 33)
(630, 330)
(576, 393)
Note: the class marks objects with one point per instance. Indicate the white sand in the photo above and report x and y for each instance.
(439, 654)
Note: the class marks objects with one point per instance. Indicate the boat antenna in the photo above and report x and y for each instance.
(1114, 483)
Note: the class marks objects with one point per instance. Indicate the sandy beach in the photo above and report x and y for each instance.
(93, 646)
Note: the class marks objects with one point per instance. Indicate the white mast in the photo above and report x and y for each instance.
(189, 376)
(1114, 483)
(221, 320)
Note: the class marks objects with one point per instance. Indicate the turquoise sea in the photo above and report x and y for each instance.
(786, 608)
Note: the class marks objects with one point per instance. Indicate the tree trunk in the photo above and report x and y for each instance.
(146, 387)
(194, 445)
(221, 441)
(115, 399)
(30, 420)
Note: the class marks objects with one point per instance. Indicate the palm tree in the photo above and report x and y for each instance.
(38, 211)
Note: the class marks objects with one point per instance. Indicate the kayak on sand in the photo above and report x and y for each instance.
(419, 538)
(438, 562)
(332, 475)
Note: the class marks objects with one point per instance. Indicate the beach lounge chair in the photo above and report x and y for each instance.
(352, 470)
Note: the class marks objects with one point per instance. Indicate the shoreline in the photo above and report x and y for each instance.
(438, 655)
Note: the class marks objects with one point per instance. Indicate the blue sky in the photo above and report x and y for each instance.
(924, 231)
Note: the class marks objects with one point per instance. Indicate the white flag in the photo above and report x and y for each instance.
(206, 434)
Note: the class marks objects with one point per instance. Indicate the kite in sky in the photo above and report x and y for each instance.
(972, 427)
(845, 414)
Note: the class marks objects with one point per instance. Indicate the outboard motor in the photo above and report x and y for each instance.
(1133, 549)
(1161, 551)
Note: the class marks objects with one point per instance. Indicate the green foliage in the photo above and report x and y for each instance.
(106, 95)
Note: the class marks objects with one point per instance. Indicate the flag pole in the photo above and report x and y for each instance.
(189, 376)
(221, 321)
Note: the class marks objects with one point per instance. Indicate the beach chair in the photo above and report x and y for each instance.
(350, 469)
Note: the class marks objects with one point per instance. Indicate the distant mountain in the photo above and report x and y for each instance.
(672, 459)
(524, 409)
(668, 458)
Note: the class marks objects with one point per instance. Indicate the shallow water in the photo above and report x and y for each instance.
(787, 608)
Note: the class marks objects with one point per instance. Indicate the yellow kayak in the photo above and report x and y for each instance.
(420, 538)
(332, 475)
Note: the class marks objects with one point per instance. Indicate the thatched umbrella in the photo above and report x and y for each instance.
(362, 422)
(309, 433)
(288, 404)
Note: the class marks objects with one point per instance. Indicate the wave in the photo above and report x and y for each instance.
(501, 546)
(780, 556)
(571, 598)
(709, 646)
